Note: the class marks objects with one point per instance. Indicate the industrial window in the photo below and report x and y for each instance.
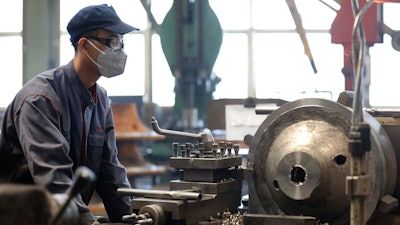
(385, 61)
(276, 63)
(261, 54)
(11, 48)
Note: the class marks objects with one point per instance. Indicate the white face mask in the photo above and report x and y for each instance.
(111, 63)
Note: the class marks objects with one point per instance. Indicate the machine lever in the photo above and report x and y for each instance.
(205, 137)
(158, 130)
(83, 178)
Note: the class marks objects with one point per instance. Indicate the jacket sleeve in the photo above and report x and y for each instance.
(38, 124)
(112, 176)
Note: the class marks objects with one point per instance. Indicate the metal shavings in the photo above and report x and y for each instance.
(232, 219)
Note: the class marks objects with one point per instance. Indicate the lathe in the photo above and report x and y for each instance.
(297, 168)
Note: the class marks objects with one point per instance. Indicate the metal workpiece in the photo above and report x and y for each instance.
(205, 137)
(298, 162)
(304, 177)
(179, 195)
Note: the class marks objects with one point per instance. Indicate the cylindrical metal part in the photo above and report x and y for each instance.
(229, 148)
(215, 151)
(180, 195)
(183, 151)
(222, 148)
(189, 149)
(298, 162)
(201, 150)
(175, 148)
(236, 148)
(154, 214)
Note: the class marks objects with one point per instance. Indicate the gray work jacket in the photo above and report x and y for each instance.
(53, 126)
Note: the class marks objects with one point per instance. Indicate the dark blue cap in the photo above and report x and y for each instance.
(96, 17)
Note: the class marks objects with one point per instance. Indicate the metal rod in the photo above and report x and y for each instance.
(358, 52)
(300, 30)
(83, 178)
(358, 161)
(180, 195)
(329, 6)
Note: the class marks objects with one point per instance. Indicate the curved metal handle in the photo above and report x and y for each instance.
(158, 130)
(204, 137)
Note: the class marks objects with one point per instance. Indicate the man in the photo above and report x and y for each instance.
(61, 119)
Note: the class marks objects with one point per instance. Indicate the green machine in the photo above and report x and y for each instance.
(191, 37)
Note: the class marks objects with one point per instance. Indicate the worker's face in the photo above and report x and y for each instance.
(105, 50)
(92, 51)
